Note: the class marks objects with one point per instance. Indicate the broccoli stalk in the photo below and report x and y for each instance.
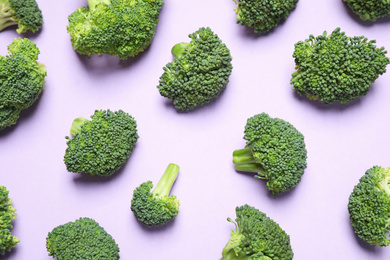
(24, 13)
(7, 18)
(164, 185)
(77, 124)
(179, 49)
(244, 161)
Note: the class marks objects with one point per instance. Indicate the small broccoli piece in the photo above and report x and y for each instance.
(82, 239)
(256, 237)
(7, 215)
(21, 80)
(369, 207)
(102, 145)
(156, 208)
(263, 15)
(370, 10)
(199, 72)
(336, 67)
(24, 13)
(275, 150)
(116, 27)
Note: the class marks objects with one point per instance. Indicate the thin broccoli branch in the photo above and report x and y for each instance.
(244, 161)
(7, 17)
(77, 124)
(164, 186)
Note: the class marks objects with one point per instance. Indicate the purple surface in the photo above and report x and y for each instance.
(342, 140)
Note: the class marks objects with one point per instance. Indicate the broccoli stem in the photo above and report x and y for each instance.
(243, 161)
(164, 186)
(7, 18)
(179, 49)
(77, 124)
(93, 3)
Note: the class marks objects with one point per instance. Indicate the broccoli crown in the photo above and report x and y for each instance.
(369, 206)
(7, 215)
(199, 72)
(370, 10)
(263, 15)
(101, 145)
(275, 149)
(120, 28)
(24, 13)
(336, 67)
(21, 80)
(257, 237)
(82, 239)
(156, 208)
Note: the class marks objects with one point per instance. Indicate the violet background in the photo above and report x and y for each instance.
(343, 141)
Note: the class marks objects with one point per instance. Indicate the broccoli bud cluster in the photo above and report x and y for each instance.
(263, 15)
(21, 80)
(199, 73)
(7, 215)
(336, 67)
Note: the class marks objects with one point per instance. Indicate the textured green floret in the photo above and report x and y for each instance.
(336, 67)
(370, 10)
(7, 215)
(369, 206)
(199, 72)
(120, 28)
(263, 15)
(102, 145)
(24, 13)
(21, 80)
(83, 239)
(256, 237)
(275, 150)
(156, 208)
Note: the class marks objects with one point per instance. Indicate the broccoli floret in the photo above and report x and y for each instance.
(256, 237)
(370, 10)
(102, 145)
(21, 80)
(24, 13)
(263, 15)
(82, 239)
(7, 215)
(156, 208)
(199, 72)
(116, 27)
(336, 67)
(275, 150)
(369, 207)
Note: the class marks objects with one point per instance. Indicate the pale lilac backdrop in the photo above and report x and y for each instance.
(342, 140)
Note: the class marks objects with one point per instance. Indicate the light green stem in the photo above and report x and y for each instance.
(77, 124)
(164, 186)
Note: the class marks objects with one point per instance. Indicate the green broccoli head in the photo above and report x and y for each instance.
(275, 150)
(263, 15)
(24, 13)
(156, 208)
(369, 206)
(370, 10)
(21, 80)
(82, 239)
(102, 145)
(121, 28)
(7, 215)
(336, 67)
(256, 237)
(199, 72)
